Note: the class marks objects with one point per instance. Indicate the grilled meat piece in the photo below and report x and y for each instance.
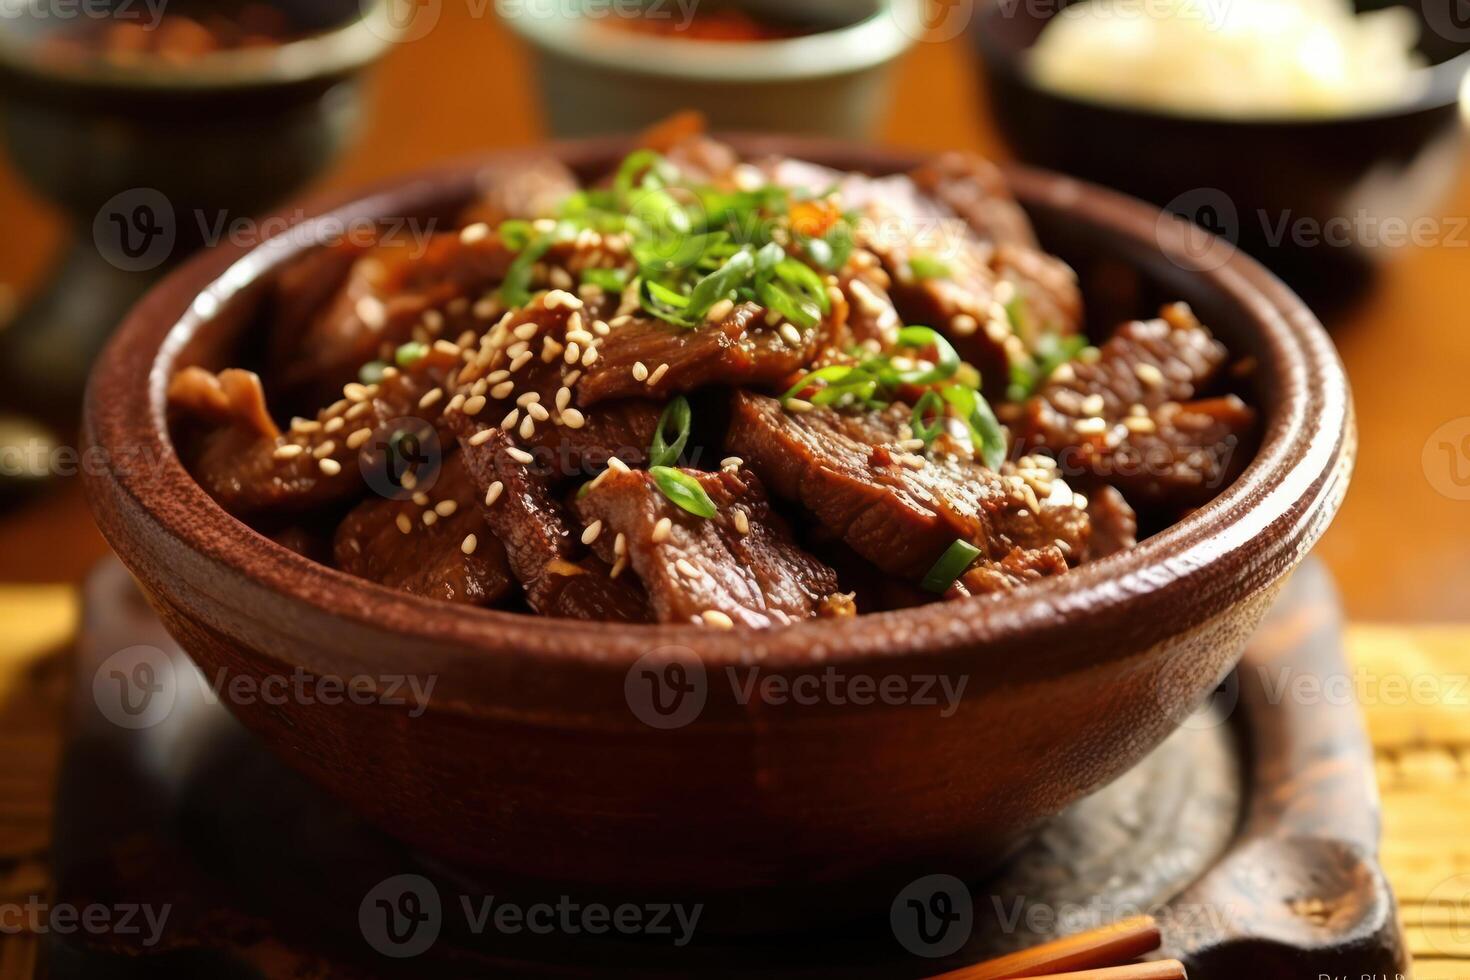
(558, 577)
(1134, 418)
(741, 564)
(900, 511)
(418, 544)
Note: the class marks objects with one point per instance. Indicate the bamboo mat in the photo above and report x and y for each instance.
(1414, 685)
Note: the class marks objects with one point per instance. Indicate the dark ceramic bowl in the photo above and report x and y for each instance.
(1243, 178)
(533, 760)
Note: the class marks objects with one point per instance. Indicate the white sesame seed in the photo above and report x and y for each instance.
(404, 524)
(289, 451)
(476, 232)
(717, 619)
(686, 568)
(469, 544)
(640, 371)
(662, 530)
(593, 530)
(329, 466)
(573, 419)
(430, 397)
(493, 492)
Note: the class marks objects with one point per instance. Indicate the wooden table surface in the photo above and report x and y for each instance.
(1399, 549)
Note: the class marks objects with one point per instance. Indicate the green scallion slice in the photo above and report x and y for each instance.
(683, 489)
(950, 566)
(675, 417)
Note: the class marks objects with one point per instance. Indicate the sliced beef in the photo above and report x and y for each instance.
(900, 511)
(740, 349)
(434, 543)
(558, 576)
(247, 464)
(1134, 418)
(741, 564)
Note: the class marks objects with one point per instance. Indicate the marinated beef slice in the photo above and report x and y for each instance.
(432, 543)
(740, 565)
(1133, 418)
(558, 575)
(900, 511)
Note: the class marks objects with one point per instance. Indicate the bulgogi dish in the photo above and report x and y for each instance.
(700, 389)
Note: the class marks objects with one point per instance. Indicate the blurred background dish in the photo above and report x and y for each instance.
(1280, 159)
(146, 129)
(803, 66)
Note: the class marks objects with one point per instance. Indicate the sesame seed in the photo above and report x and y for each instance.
(593, 530)
(742, 522)
(686, 568)
(404, 524)
(528, 427)
(288, 451)
(430, 397)
(481, 437)
(640, 372)
(519, 455)
(476, 232)
(790, 334)
(573, 419)
(359, 437)
(493, 492)
(662, 530)
(502, 390)
(469, 544)
(717, 619)
(658, 374)
(329, 466)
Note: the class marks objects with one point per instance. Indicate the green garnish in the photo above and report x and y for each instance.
(926, 266)
(409, 354)
(371, 372)
(675, 416)
(612, 280)
(683, 489)
(950, 566)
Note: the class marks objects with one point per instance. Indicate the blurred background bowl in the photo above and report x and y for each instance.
(832, 79)
(1246, 179)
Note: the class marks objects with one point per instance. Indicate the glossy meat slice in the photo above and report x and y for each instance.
(898, 510)
(1134, 417)
(741, 564)
(741, 348)
(247, 464)
(558, 576)
(432, 543)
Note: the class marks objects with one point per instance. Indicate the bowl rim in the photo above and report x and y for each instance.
(1446, 84)
(1235, 547)
(867, 43)
(339, 50)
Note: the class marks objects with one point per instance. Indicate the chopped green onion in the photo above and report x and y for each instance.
(612, 280)
(409, 354)
(926, 266)
(372, 372)
(950, 566)
(928, 431)
(676, 416)
(683, 489)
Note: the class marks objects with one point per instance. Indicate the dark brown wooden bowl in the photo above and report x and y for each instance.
(531, 761)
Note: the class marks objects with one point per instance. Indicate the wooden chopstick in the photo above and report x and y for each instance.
(1120, 942)
(1159, 970)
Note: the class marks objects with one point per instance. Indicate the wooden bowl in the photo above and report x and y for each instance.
(532, 760)
(1265, 184)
